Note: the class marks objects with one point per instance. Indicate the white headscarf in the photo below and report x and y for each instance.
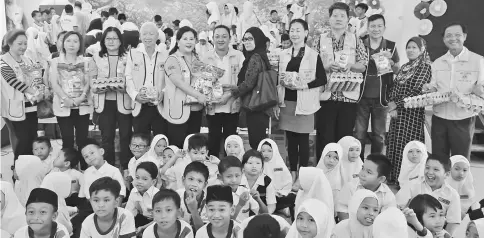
(239, 141)
(185, 143)
(151, 152)
(29, 176)
(390, 223)
(283, 182)
(466, 186)
(60, 183)
(13, 213)
(479, 223)
(352, 226)
(314, 184)
(185, 22)
(214, 13)
(322, 215)
(32, 51)
(202, 50)
(334, 175)
(409, 170)
(231, 18)
(347, 167)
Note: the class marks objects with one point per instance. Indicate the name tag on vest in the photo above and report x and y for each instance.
(413, 178)
(444, 201)
(277, 169)
(464, 196)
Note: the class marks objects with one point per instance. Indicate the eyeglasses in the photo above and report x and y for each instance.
(135, 146)
(112, 39)
(247, 39)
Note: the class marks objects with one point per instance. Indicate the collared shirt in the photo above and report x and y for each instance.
(183, 230)
(48, 164)
(92, 174)
(447, 196)
(206, 230)
(251, 205)
(133, 163)
(150, 64)
(175, 173)
(123, 226)
(26, 232)
(111, 22)
(298, 11)
(270, 190)
(68, 22)
(137, 201)
(76, 179)
(461, 73)
(40, 27)
(385, 195)
(202, 208)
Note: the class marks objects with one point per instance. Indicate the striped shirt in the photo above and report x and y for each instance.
(9, 75)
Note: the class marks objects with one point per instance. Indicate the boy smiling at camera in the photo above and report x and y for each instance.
(376, 169)
(108, 220)
(219, 210)
(433, 183)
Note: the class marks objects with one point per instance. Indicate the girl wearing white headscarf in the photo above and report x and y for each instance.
(236, 149)
(202, 48)
(412, 170)
(390, 223)
(462, 181)
(156, 149)
(350, 162)
(60, 183)
(213, 15)
(276, 169)
(354, 227)
(322, 216)
(29, 176)
(333, 174)
(13, 213)
(314, 184)
(228, 18)
(32, 51)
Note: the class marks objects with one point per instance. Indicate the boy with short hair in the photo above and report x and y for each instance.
(286, 42)
(139, 201)
(67, 161)
(230, 169)
(219, 210)
(41, 213)
(140, 144)
(375, 171)
(42, 148)
(68, 21)
(108, 220)
(299, 10)
(434, 183)
(197, 151)
(360, 22)
(166, 209)
(193, 195)
(274, 21)
(285, 20)
(38, 22)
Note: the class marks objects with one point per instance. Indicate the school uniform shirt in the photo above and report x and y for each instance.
(92, 174)
(39, 27)
(183, 230)
(175, 173)
(137, 201)
(251, 205)
(48, 164)
(447, 196)
(133, 163)
(49, 29)
(260, 184)
(76, 179)
(58, 231)
(68, 22)
(299, 12)
(285, 20)
(123, 226)
(359, 26)
(202, 208)
(112, 22)
(385, 195)
(206, 230)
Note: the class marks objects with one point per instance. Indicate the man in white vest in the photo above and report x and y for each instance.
(462, 71)
(342, 52)
(145, 82)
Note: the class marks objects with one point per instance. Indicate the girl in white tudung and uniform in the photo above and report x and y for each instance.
(314, 184)
(330, 163)
(413, 162)
(315, 223)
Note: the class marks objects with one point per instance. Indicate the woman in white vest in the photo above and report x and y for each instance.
(18, 112)
(337, 115)
(114, 106)
(182, 119)
(223, 117)
(72, 101)
(299, 101)
(145, 82)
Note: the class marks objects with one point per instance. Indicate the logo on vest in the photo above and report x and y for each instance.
(277, 169)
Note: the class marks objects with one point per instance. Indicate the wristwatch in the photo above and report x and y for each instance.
(423, 232)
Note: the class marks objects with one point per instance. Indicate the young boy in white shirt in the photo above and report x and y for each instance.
(220, 208)
(42, 148)
(434, 183)
(67, 161)
(68, 21)
(285, 20)
(359, 24)
(38, 21)
(376, 169)
(230, 169)
(274, 21)
(299, 10)
(166, 209)
(108, 220)
(141, 196)
(140, 144)
(197, 151)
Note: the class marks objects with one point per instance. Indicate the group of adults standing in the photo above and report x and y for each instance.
(158, 83)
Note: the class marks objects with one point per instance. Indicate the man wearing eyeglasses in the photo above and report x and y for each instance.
(460, 71)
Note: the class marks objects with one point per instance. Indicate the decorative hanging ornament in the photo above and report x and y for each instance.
(375, 4)
(438, 8)
(425, 27)
(421, 11)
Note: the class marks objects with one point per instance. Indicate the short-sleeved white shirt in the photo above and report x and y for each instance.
(384, 194)
(68, 22)
(144, 201)
(123, 226)
(133, 164)
(270, 190)
(76, 179)
(299, 12)
(61, 232)
(447, 196)
(251, 205)
(202, 210)
(204, 231)
(175, 173)
(106, 170)
(184, 230)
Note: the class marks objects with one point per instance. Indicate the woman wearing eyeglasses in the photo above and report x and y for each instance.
(111, 100)
(256, 60)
